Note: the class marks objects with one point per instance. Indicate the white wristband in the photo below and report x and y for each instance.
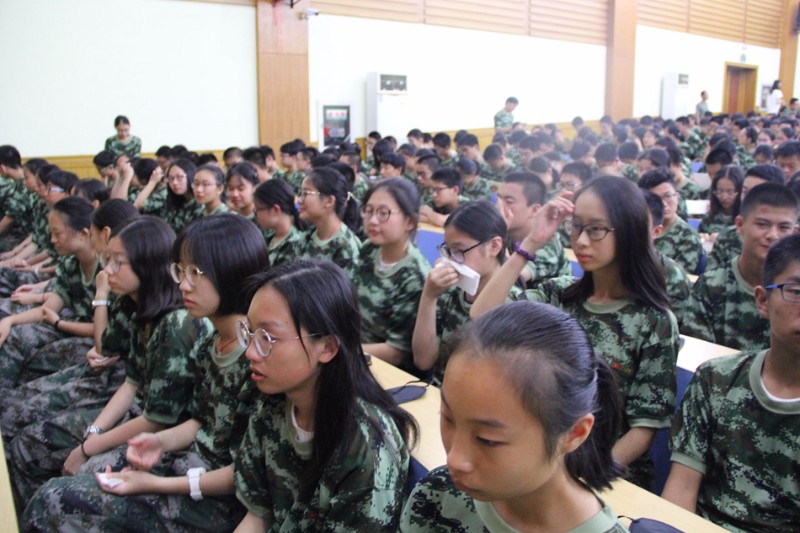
(194, 483)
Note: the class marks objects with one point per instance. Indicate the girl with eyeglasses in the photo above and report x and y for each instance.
(391, 271)
(181, 209)
(327, 449)
(473, 236)
(212, 257)
(326, 202)
(621, 302)
(159, 370)
(726, 200)
(277, 216)
(95, 371)
(529, 417)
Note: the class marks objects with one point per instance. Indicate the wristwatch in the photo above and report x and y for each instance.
(99, 303)
(194, 482)
(92, 430)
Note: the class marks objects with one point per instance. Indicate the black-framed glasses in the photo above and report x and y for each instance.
(192, 273)
(454, 253)
(113, 265)
(595, 232)
(383, 213)
(262, 338)
(435, 191)
(789, 291)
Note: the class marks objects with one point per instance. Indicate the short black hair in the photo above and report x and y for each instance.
(442, 140)
(788, 149)
(9, 156)
(657, 176)
(449, 177)
(771, 194)
(512, 100)
(606, 152)
(467, 139)
(394, 160)
(655, 205)
(766, 172)
(493, 152)
(628, 150)
(780, 256)
(533, 188)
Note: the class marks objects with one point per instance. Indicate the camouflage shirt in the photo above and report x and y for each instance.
(116, 337)
(360, 188)
(681, 243)
(746, 445)
(389, 298)
(640, 344)
(727, 246)
(689, 190)
(75, 290)
(743, 158)
(631, 172)
(286, 249)
(19, 206)
(161, 365)
(183, 216)
(40, 231)
(132, 147)
(222, 385)
(295, 179)
(678, 286)
(503, 119)
(361, 488)
(722, 310)
(343, 248)
(715, 223)
(694, 147)
(452, 312)
(480, 190)
(551, 262)
(437, 506)
(156, 203)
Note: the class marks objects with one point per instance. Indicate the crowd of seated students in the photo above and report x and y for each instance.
(142, 313)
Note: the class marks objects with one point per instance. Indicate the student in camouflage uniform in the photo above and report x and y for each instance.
(504, 119)
(475, 187)
(328, 205)
(445, 196)
(736, 437)
(18, 208)
(721, 308)
(209, 190)
(226, 249)
(326, 448)
(276, 213)
(473, 237)
(621, 302)
(13, 174)
(67, 309)
(726, 190)
(517, 366)
(391, 271)
(678, 241)
(181, 209)
(520, 196)
(291, 175)
(123, 142)
(729, 242)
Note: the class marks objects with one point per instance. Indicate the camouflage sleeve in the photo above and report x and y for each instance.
(116, 337)
(650, 401)
(698, 318)
(691, 432)
(437, 506)
(346, 254)
(249, 468)
(156, 203)
(65, 274)
(170, 353)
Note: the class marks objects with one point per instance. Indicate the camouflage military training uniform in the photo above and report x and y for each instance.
(77, 293)
(452, 312)
(360, 188)
(631, 172)
(161, 366)
(361, 488)
(744, 442)
(551, 262)
(503, 119)
(343, 248)
(133, 147)
(681, 243)
(694, 147)
(287, 249)
(295, 179)
(727, 246)
(74, 387)
(156, 203)
(183, 216)
(715, 223)
(689, 190)
(743, 158)
(641, 345)
(437, 506)
(388, 298)
(722, 310)
(13, 191)
(480, 190)
(678, 286)
(222, 400)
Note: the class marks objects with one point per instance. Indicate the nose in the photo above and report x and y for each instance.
(458, 458)
(583, 238)
(184, 285)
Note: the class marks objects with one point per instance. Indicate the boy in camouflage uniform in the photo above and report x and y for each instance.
(721, 308)
(293, 176)
(504, 119)
(679, 241)
(736, 438)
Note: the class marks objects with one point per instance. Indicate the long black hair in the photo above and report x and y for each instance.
(549, 362)
(639, 267)
(481, 220)
(175, 201)
(330, 182)
(346, 378)
(281, 194)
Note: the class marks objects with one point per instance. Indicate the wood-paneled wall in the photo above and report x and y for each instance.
(757, 22)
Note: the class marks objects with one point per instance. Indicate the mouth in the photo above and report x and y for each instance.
(255, 375)
(187, 302)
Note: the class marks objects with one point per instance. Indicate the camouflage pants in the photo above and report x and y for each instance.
(39, 450)
(79, 504)
(11, 238)
(10, 279)
(75, 387)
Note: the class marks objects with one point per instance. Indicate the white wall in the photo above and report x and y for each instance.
(183, 72)
(702, 58)
(457, 78)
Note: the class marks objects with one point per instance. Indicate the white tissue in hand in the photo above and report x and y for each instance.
(468, 279)
(109, 482)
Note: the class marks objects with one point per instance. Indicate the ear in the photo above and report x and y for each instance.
(739, 224)
(496, 245)
(95, 203)
(657, 231)
(106, 234)
(329, 347)
(578, 434)
(762, 299)
(535, 209)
